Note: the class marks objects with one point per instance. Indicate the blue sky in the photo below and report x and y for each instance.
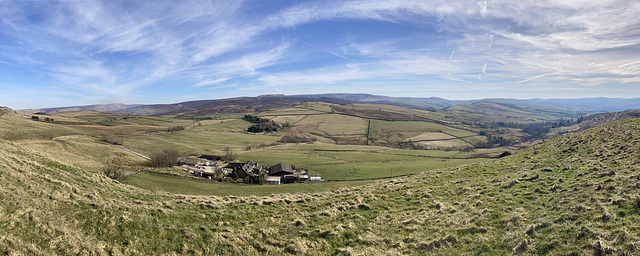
(63, 53)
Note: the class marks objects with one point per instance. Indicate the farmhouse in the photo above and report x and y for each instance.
(253, 168)
(250, 172)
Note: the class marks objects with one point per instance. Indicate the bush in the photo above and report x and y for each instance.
(229, 155)
(112, 140)
(504, 154)
(297, 139)
(115, 172)
(166, 158)
(175, 129)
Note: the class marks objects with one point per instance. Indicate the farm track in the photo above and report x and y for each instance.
(123, 148)
(454, 138)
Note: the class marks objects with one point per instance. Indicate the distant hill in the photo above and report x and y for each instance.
(581, 106)
(107, 108)
(221, 106)
(432, 103)
(566, 107)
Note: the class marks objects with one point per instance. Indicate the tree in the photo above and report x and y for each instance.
(115, 172)
(165, 158)
(175, 129)
(229, 154)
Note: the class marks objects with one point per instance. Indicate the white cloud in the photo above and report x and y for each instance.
(103, 46)
(210, 82)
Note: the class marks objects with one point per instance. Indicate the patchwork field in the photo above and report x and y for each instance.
(75, 139)
(352, 142)
(574, 195)
(336, 162)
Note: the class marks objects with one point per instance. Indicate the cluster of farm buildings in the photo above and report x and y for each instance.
(212, 167)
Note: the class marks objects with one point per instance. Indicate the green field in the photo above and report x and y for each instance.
(178, 185)
(340, 153)
(336, 162)
(573, 195)
(74, 137)
(195, 142)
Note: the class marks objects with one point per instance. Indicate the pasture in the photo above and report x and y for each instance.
(340, 153)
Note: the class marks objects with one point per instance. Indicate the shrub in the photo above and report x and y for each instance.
(112, 140)
(165, 158)
(229, 154)
(297, 139)
(115, 172)
(175, 129)
(504, 154)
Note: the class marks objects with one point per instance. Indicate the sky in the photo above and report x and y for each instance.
(65, 53)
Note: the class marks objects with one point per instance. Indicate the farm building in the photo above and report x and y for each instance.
(280, 170)
(288, 179)
(245, 169)
(253, 168)
(187, 161)
(210, 157)
(273, 180)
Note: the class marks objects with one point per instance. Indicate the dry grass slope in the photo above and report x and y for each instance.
(574, 195)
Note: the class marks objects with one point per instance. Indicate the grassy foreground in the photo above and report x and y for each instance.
(574, 195)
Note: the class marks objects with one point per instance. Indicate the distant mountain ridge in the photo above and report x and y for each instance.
(107, 108)
(572, 107)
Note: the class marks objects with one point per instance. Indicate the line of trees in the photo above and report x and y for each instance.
(263, 124)
(165, 158)
(38, 119)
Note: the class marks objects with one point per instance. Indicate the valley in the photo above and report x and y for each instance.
(574, 194)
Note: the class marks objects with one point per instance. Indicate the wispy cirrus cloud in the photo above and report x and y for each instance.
(116, 48)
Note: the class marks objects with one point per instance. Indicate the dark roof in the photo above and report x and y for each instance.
(189, 161)
(235, 165)
(280, 169)
(210, 157)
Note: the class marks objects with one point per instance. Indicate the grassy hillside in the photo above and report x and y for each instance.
(574, 195)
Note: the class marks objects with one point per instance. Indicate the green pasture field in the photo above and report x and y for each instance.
(195, 142)
(292, 119)
(398, 131)
(107, 119)
(336, 162)
(223, 125)
(373, 170)
(21, 127)
(179, 185)
(335, 124)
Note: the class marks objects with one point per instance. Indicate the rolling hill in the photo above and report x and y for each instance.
(573, 195)
(565, 107)
(107, 108)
